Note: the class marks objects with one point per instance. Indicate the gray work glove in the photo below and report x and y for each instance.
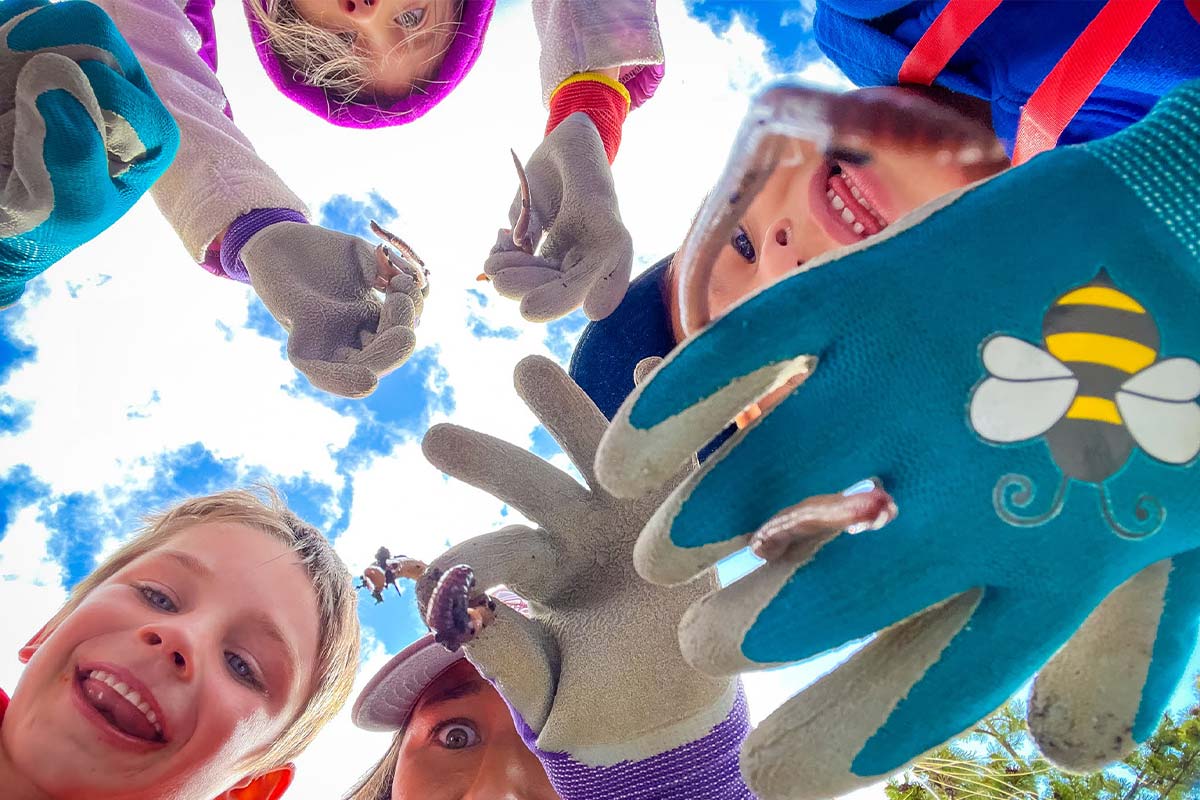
(595, 672)
(318, 284)
(586, 256)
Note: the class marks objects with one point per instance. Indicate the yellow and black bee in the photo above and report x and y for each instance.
(1095, 392)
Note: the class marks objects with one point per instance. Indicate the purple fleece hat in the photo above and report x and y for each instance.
(460, 57)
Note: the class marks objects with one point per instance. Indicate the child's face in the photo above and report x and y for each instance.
(217, 633)
(405, 40)
(831, 200)
(461, 744)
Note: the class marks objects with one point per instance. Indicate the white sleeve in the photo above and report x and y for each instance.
(216, 176)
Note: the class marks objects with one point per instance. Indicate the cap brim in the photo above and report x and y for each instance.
(387, 700)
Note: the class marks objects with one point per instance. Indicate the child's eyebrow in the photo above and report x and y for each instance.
(189, 562)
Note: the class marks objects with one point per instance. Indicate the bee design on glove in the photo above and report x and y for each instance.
(1097, 391)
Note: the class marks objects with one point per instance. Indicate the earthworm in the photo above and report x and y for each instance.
(453, 612)
(864, 506)
(396, 242)
(520, 231)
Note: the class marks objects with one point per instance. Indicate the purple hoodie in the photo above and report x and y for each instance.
(463, 52)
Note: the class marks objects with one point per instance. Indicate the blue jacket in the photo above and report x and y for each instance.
(1007, 57)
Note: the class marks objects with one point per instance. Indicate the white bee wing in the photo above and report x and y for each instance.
(1029, 390)
(1173, 379)
(1013, 359)
(1159, 409)
(1012, 411)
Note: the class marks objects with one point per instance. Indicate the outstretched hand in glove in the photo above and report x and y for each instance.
(1018, 365)
(594, 674)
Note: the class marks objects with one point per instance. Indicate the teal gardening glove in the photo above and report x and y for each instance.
(82, 133)
(1017, 363)
(600, 689)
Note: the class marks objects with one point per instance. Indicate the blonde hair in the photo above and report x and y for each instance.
(323, 58)
(337, 656)
(377, 783)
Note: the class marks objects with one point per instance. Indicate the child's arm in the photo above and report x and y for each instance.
(217, 177)
(568, 246)
(70, 170)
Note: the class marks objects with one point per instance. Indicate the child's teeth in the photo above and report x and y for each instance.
(831, 194)
(838, 203)
(130, 695)
(847, 215)
(858, 228)
(857, 194)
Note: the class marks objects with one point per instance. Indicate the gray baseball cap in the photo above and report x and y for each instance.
(387, 700)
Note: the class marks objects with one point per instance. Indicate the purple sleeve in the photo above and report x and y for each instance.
(706, 769)
(200, 13)
(641, 81)
(240, 231)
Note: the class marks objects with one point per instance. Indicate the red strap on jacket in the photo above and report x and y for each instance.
(943, 39)
(1067, 86)
(1077, 74)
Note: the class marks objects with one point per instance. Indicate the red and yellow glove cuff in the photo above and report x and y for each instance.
(602, 98)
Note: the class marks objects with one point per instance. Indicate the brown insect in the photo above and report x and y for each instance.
(386, 570)
(454, 611)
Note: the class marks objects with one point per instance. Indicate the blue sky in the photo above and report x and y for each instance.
(129, 379)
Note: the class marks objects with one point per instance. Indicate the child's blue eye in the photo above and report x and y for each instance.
(411, 18)
(742, 245)
(242, 670)
(157, 599)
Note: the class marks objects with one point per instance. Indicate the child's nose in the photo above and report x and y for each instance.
(172, 647)
(781, 249)
(359, 9)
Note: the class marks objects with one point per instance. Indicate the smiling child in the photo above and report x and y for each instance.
(194, 663)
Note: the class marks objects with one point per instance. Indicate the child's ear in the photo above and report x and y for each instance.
(31, 647)
(269, 786)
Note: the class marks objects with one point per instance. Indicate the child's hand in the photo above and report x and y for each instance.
(595, 671)
(319, 284)
(587, 254)
(82, 133)
(1019, 366)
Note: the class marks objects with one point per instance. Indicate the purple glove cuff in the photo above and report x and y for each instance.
(641, 81)
(706, 769)
(242, 229)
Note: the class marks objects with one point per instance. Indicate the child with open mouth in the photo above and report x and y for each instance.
(196, 662)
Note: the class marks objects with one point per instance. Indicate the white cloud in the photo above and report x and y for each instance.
(31, 581)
